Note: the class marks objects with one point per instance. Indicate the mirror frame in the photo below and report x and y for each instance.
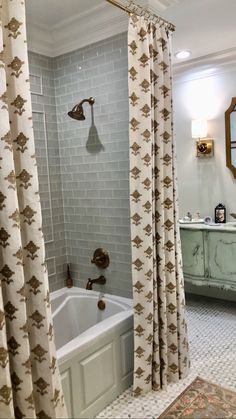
(228, 137)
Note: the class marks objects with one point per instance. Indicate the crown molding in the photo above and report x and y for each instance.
(39, 39)
(72, 20)
(157, 6)
(74, 33)
(205, 66)
(104, 22)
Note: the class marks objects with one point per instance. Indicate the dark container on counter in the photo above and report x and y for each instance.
(220, 214)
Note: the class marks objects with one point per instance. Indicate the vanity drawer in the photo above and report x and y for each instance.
(222, 256)
(193, 252)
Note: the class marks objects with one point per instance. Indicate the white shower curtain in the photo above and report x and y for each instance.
(30, 384)
(161, 343)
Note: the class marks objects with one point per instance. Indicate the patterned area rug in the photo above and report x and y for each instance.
(202, 400)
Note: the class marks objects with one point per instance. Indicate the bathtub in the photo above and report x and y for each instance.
(94, 348)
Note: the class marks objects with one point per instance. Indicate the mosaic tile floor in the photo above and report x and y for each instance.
(212, 337)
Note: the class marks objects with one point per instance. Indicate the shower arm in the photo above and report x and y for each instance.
(90, 101)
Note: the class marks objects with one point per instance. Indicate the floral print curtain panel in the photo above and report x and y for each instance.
(161, 344)
(30, 383)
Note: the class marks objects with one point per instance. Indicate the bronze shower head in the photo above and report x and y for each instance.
(77, 112)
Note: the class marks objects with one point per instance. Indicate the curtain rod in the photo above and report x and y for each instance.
(140, 11)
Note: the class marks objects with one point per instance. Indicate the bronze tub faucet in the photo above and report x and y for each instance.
(100, 280)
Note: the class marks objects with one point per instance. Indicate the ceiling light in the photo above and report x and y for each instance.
(183, 54)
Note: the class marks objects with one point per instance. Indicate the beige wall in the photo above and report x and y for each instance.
(203, 183)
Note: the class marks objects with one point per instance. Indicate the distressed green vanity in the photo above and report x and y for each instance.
(209, 259)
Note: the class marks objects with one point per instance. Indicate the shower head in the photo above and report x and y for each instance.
(77, 112)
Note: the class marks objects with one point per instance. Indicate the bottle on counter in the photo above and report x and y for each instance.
(69, 281)
(189, 215)
(220, 214)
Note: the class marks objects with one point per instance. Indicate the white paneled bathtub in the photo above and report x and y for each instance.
(94, 348)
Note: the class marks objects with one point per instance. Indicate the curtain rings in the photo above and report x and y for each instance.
(133, 8)
(130, 4)
(155, 20)
(143, 13)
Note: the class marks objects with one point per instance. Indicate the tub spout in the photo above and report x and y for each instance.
(100, 280)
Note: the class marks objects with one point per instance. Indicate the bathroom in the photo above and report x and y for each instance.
(78, 50)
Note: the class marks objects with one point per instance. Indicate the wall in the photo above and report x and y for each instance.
(48, 160)
(95, 160)
(204, 183)
(89, 169)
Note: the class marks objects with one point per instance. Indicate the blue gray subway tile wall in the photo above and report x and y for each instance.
(48, 161)
(90, 160)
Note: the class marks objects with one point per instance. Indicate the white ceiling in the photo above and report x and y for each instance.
(49, 13)
(202, 26)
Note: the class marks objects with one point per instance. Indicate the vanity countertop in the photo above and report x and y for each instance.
(230, 226)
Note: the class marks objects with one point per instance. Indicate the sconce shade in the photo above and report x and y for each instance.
(199, 128)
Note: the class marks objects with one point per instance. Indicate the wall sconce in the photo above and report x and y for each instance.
(204, 145)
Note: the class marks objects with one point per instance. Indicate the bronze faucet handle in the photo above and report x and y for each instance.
(101, 258)
(97, 259)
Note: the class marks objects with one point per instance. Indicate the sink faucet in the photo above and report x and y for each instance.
(100, 280)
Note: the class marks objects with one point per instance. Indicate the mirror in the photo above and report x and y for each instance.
(230, 133)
